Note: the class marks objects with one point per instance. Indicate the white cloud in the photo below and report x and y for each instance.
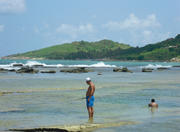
(133, 22)
(74, 31)
(36, 30)
(147, 33)
(12, 6)
(1, 28)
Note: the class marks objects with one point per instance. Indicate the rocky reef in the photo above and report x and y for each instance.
(27, 70)
(76, 70)
(124, 69)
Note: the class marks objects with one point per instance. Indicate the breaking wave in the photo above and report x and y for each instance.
(39, 64)
(156, 66)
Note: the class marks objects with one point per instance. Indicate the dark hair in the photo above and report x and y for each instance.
(152, 100)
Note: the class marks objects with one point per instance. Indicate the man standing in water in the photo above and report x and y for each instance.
(90, 97)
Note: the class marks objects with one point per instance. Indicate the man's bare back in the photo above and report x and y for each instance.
(91, 90)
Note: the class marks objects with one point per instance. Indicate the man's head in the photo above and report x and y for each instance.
(88, 80)
(152, 100)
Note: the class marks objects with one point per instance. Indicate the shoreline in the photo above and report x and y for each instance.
(104, 60)
(78, 127)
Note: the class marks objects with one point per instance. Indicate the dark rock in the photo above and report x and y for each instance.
(76, 70)
(124, 69)
(38, 65)
(40, 130)
(51, 71)
(3, 70)
(147, 70)
(99, 73)
(27, 70)
(12, 70)
(17, 65)
(162, 68)
(176, 66)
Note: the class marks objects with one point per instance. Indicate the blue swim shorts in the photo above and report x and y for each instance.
(91, 101)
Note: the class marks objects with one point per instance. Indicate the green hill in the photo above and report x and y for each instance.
(107, 49)
(75, 50)
(164, 50)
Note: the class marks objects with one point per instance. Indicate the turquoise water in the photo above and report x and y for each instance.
(56, 99)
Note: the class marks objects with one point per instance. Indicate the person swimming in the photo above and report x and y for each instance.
(153, 104)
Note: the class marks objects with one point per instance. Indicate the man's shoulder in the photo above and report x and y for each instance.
(93, 85)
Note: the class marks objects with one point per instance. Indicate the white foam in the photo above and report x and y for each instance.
(52, 66)
(99, 64)
(33, 63)
(155, 66)
(9, 67)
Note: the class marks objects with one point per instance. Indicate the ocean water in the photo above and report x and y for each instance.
(42, 100)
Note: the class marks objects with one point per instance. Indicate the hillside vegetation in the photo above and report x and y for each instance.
(76, 50)
(164, 50)
(107, 49)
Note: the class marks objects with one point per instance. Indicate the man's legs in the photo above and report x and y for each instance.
(90, 112)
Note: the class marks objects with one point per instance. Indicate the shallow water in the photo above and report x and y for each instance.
(56, 99)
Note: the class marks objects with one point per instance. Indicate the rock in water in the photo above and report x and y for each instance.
(38, 65)
(162, 68)
(147, 70)
(11, 70)
(99, 73)
(51, 71)
(176, 66)
(77, 128)
(3, 70)
(40, 130)
(17, 65)
(124, 69)
(76, 70)
(27, 70)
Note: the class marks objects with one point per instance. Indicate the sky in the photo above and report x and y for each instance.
(27, 25)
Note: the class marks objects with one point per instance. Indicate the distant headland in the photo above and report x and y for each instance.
(167, 50)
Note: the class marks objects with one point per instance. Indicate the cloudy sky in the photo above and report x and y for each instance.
(33, 24)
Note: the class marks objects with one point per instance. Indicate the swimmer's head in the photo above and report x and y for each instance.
(152, 100)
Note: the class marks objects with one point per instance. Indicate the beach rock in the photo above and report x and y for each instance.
(17, 65)
(3, 70)
(51, 71)
(88, 127)
(162, 68)
(99, 73)
(176, 59)
(147, 70)
(27, 70)
(40, 130)
(176, 66)
(4, 93)
(11, 110)
(6, 70)
(76, 70)
(38, 65)
(124, 69)
(11, 70)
